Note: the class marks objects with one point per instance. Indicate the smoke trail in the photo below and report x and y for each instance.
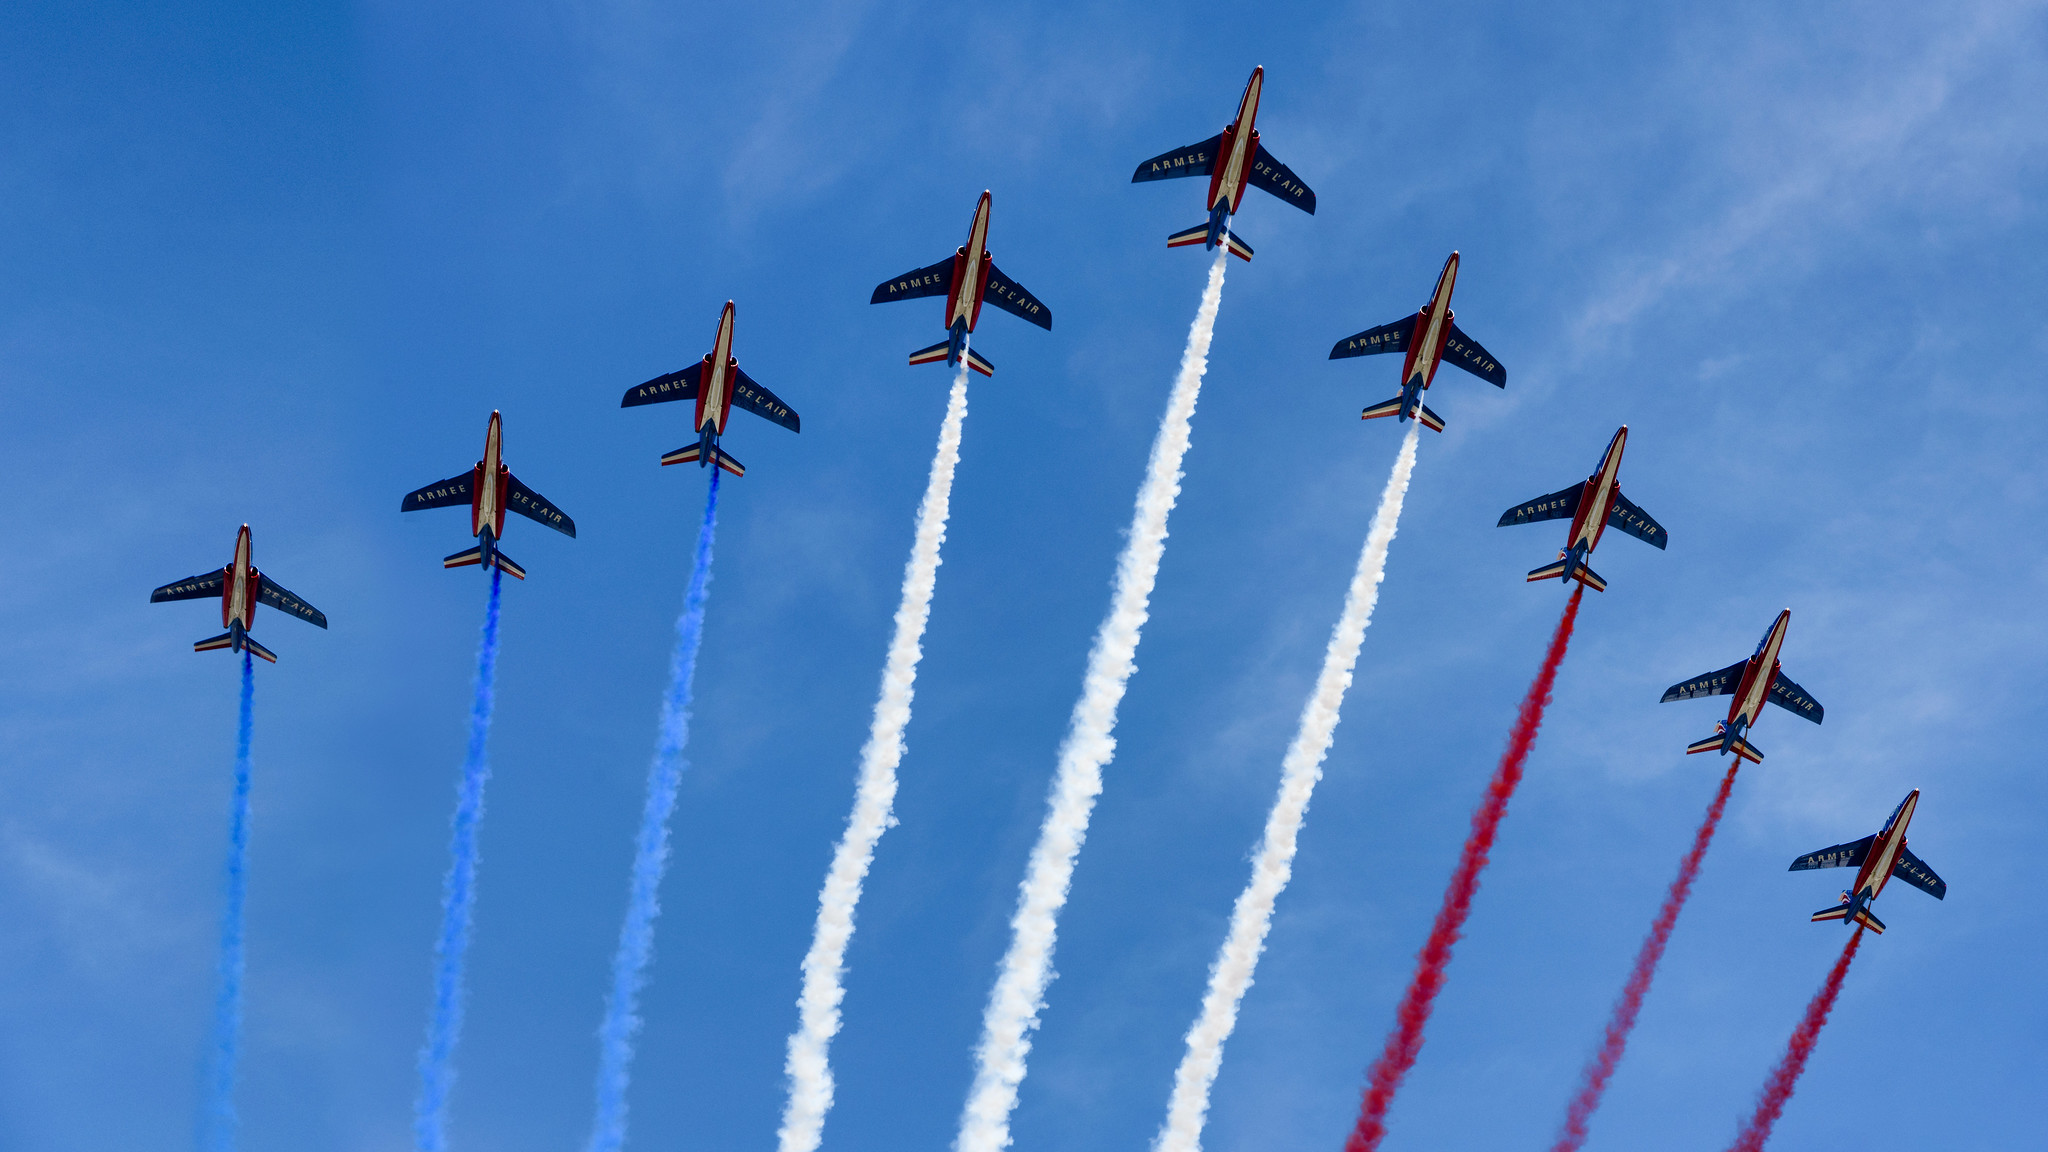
(650, 856)
(217, 1124)
(1019, 992)
(1615, 1040)
(458, 898)
(1404, 1044)
(1274, 865)
(1778, 1088)
(810, 1072)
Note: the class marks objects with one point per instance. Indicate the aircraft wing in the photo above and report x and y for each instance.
(760, 401)
(1277, 178)
(1385, 338)
(1792, 698)
(936, 280)
(281, 598)
(1915, 871)
(537, 508)
(1720, 683)
(1635, 521)
(1556, 506)
(1466, 353)
(1197, 159)
(674, 386)
(1848, 855)
(441, 494)
(1013, 298)
(192, 587)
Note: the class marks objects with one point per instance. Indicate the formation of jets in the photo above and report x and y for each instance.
(1234, 160)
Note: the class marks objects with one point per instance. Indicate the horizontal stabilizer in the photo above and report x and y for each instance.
(1238, 247)
(499, 560)
(1742, 748)
(212, 642)
(1430, 420)
(1547, 572)
(261, 652)
(694, 453)
(1199, 234)
(1582, 573)
(463, 559)
(1841, 912)
(1864, 917)
(1381, 410)
(932, 355)
(979, 363)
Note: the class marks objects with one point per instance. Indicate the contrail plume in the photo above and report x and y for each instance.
(1778, 1089)
(1600, 1069)
(650, 856)
(217, 1123)
(1404, 1044)
(458, 900)
(808, 1064)
(1252, 917)
(1019, 992)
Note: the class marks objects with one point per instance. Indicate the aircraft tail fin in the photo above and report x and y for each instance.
(936, 354)
(1841, 912)
(979, 363)
(259, 650)
(1719, 742)
(464, 559)
(1188, 237)
(1238, 248)
(499, 560)
(1430, 420)
(213, 642)
(694, 454)
(1382, 410)
(1581, 571)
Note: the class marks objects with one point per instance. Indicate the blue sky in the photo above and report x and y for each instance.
(277, 264)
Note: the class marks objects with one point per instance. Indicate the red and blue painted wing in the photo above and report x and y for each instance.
(660, 390)
(200, 587)
(1466, 353)
(934, 280)
(750, 395)
(536, 507)
(1272, 176)
(1635, 521)
(1373, 341)
(1915, 871)
(1192, 160)
(1794, 699)
(1015, 299)
(1559, 505)
(284, 600)
(1848, 855)
(1722, 683)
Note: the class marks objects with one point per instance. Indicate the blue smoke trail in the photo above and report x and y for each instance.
(650, 857)
(458, 897)
(217, 1124)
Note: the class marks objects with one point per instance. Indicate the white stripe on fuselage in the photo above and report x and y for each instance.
(1242, 141)
(238, 583)
(970, 272)
(487, 482)
(1766, 671)
(716, 382)
(1432, 334)
(1595, 515)
(1878, 869)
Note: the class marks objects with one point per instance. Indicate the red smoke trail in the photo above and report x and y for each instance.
(1778, 1088)
(1404, 1044)
(1601, 1068)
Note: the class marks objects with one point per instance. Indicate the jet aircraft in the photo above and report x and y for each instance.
(1592, 505)
(716, 383)
(1751, 682)
(490, 490)
(1233, 160)
(1429, 338)
(1877, 858)
(967, 279)
(240, 588)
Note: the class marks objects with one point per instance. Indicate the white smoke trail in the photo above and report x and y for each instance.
(1274, 865)
(1019, 992)
(810, 1072)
